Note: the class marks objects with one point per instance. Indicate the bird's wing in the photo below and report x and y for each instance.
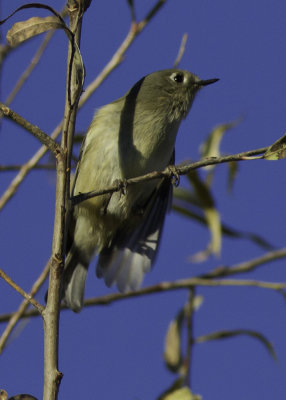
(132, 252)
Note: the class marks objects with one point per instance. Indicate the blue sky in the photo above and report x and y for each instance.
(116, 351)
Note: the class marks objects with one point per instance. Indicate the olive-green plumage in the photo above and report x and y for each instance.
(129, 137)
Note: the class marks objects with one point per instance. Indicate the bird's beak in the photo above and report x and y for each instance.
(207, 82)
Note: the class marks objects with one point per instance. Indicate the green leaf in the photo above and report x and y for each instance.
(188, 209)
(277, 151)
(232, 173)
(225, 334)
(212, 217)
(172, 351)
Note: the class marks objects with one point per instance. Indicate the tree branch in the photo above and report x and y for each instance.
(9, 168)
(25, 169)
(51, 314)
(117, 58)
(22, 292)
(246, 266)
(167, 173)
(164, 287)
(181, 50)
(25, 75)
(189, 318)
(45, 139)
(23, 307)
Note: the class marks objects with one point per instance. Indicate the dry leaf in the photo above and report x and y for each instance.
(24, 30)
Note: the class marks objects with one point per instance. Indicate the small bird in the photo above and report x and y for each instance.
(129, 137)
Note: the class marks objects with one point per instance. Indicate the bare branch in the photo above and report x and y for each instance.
(182, 284)
(189, 318)
(117, 58)
(53, 146)
(181, 50)
(166, 287)
(246, 266)
(51, 314)
(23, 307)
(22, 292)
(9, 168)
(154, 10)
(26, 168)
(25, 75)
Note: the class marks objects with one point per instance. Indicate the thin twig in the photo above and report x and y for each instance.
(246, 266)
(217, 272)
(22, 292)
(189, 318)
(165, 287)
(22, 308)
(26, 168)
(25, 75)
(181, 50)
(180, 170)
(45, 139)
(132, 10)
(117, 58)
(9, 168)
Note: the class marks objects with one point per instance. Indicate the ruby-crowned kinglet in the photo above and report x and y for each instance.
(129, 137)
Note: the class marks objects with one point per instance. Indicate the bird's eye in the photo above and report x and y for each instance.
(178, 77)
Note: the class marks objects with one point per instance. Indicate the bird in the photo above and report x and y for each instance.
(127, 138)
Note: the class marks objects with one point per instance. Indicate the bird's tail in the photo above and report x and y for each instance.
(74, 281)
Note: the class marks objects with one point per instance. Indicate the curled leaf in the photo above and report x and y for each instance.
(172, 351)
(212, 217)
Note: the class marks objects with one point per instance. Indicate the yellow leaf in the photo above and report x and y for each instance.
(24, 30)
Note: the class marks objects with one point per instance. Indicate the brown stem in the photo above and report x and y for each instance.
(14, 318)
(22, 292)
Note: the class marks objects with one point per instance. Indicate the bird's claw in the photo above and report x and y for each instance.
(121, 186)
(174, 175)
